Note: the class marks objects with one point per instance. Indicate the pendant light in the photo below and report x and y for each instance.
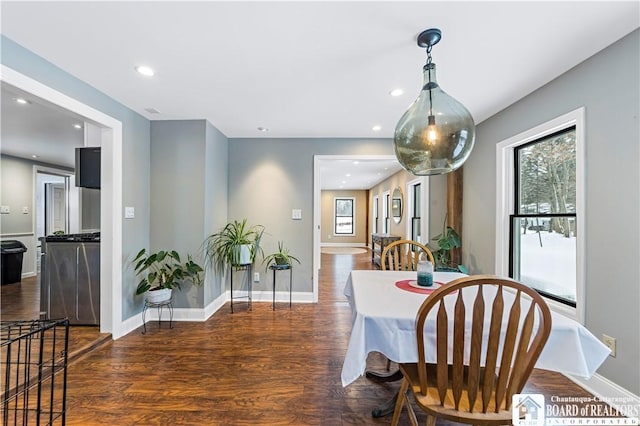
(436, 134)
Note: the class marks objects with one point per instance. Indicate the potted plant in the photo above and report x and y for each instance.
(163, 271)
(447, 240)
(236, 244)
(282, 257)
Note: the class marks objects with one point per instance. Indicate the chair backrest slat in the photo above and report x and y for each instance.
(458, 349)
(497, 311)
(442, 373)
(464, 365)
(473, 381)
(521, 355)
(507, 352)
(403, 255)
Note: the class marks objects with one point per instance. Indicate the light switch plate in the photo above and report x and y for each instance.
(25, 210)
(129, 212)
(5, 210)
(296, 214)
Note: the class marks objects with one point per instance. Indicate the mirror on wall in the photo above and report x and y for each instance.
(396, 205)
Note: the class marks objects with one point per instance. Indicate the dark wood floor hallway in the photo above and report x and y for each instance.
(262, 367)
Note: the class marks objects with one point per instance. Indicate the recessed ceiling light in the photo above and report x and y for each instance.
(263, 129)
(376, 128)
(35, 156)
(396, 92)
(145, 70)
(22, 101)
(356, 162)
(77, 126)
(348, 175)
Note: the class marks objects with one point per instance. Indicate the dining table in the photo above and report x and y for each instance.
(384, 305)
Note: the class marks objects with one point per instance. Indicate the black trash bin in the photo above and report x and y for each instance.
(12, 252)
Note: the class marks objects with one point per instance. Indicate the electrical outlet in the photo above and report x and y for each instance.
(610, 342)
(256, 277)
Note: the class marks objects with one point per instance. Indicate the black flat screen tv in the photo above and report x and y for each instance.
(88, 167)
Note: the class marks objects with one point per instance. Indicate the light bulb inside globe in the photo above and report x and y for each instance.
(432, 130)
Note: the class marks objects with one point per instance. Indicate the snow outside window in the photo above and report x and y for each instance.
(540, 230)
(344, 216)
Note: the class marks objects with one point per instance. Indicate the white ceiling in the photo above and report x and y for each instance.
(312, 69)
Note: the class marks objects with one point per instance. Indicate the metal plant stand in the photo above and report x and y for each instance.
(159, 306)
(248, 269)
(274, 268)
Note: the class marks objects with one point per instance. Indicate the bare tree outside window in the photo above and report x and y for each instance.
(543, 228)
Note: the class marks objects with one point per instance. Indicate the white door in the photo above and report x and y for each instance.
(55, 208)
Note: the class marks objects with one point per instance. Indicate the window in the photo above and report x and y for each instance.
(540, 231)
(375, 214)
(415, 211)
(343, 216)
(386, 224)
(543, 226)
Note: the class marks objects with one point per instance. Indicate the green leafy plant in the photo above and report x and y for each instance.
(280, 257)
(447, 240)
(223, 247)
(164, 269)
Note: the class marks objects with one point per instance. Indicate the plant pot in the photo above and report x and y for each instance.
(281, 260)
(242, 255)
(158, 296)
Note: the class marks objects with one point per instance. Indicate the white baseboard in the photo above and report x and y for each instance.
(364, 245)
(607, 391)
(281, 296)
(203, 314)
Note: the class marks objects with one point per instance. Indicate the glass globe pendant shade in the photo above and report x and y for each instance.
(436, 134)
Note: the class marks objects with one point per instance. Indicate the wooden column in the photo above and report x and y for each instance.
(454, 209)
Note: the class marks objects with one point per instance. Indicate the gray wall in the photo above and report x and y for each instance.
(188, 189)
(135, 152)
(17, 192)
(607, 85)
(215, 199)
(270, 177)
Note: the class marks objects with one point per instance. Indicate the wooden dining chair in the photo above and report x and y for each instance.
(403, 255)
(471, 382)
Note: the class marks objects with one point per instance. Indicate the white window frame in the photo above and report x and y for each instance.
(386, 219)
(505, 202)
(375, 212)
(353, 213)
(424, 208)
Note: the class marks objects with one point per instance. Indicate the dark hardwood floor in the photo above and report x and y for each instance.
(262, 367)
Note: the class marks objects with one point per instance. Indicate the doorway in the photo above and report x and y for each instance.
(110, 195)
(318, 162)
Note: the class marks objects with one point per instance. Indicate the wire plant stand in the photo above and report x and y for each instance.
(33, 371)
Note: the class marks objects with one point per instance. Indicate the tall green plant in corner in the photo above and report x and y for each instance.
(237, 243)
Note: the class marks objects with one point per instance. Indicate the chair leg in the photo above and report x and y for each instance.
(402, 396)
(431, 420)
(412, 414)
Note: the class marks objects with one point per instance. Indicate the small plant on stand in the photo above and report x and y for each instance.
(163, 271)
(281, 257)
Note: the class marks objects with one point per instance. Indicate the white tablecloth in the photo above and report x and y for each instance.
(384, 321)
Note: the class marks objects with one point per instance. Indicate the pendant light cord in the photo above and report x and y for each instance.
(429, 61)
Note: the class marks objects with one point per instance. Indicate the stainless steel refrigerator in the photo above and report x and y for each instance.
(70, 278)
